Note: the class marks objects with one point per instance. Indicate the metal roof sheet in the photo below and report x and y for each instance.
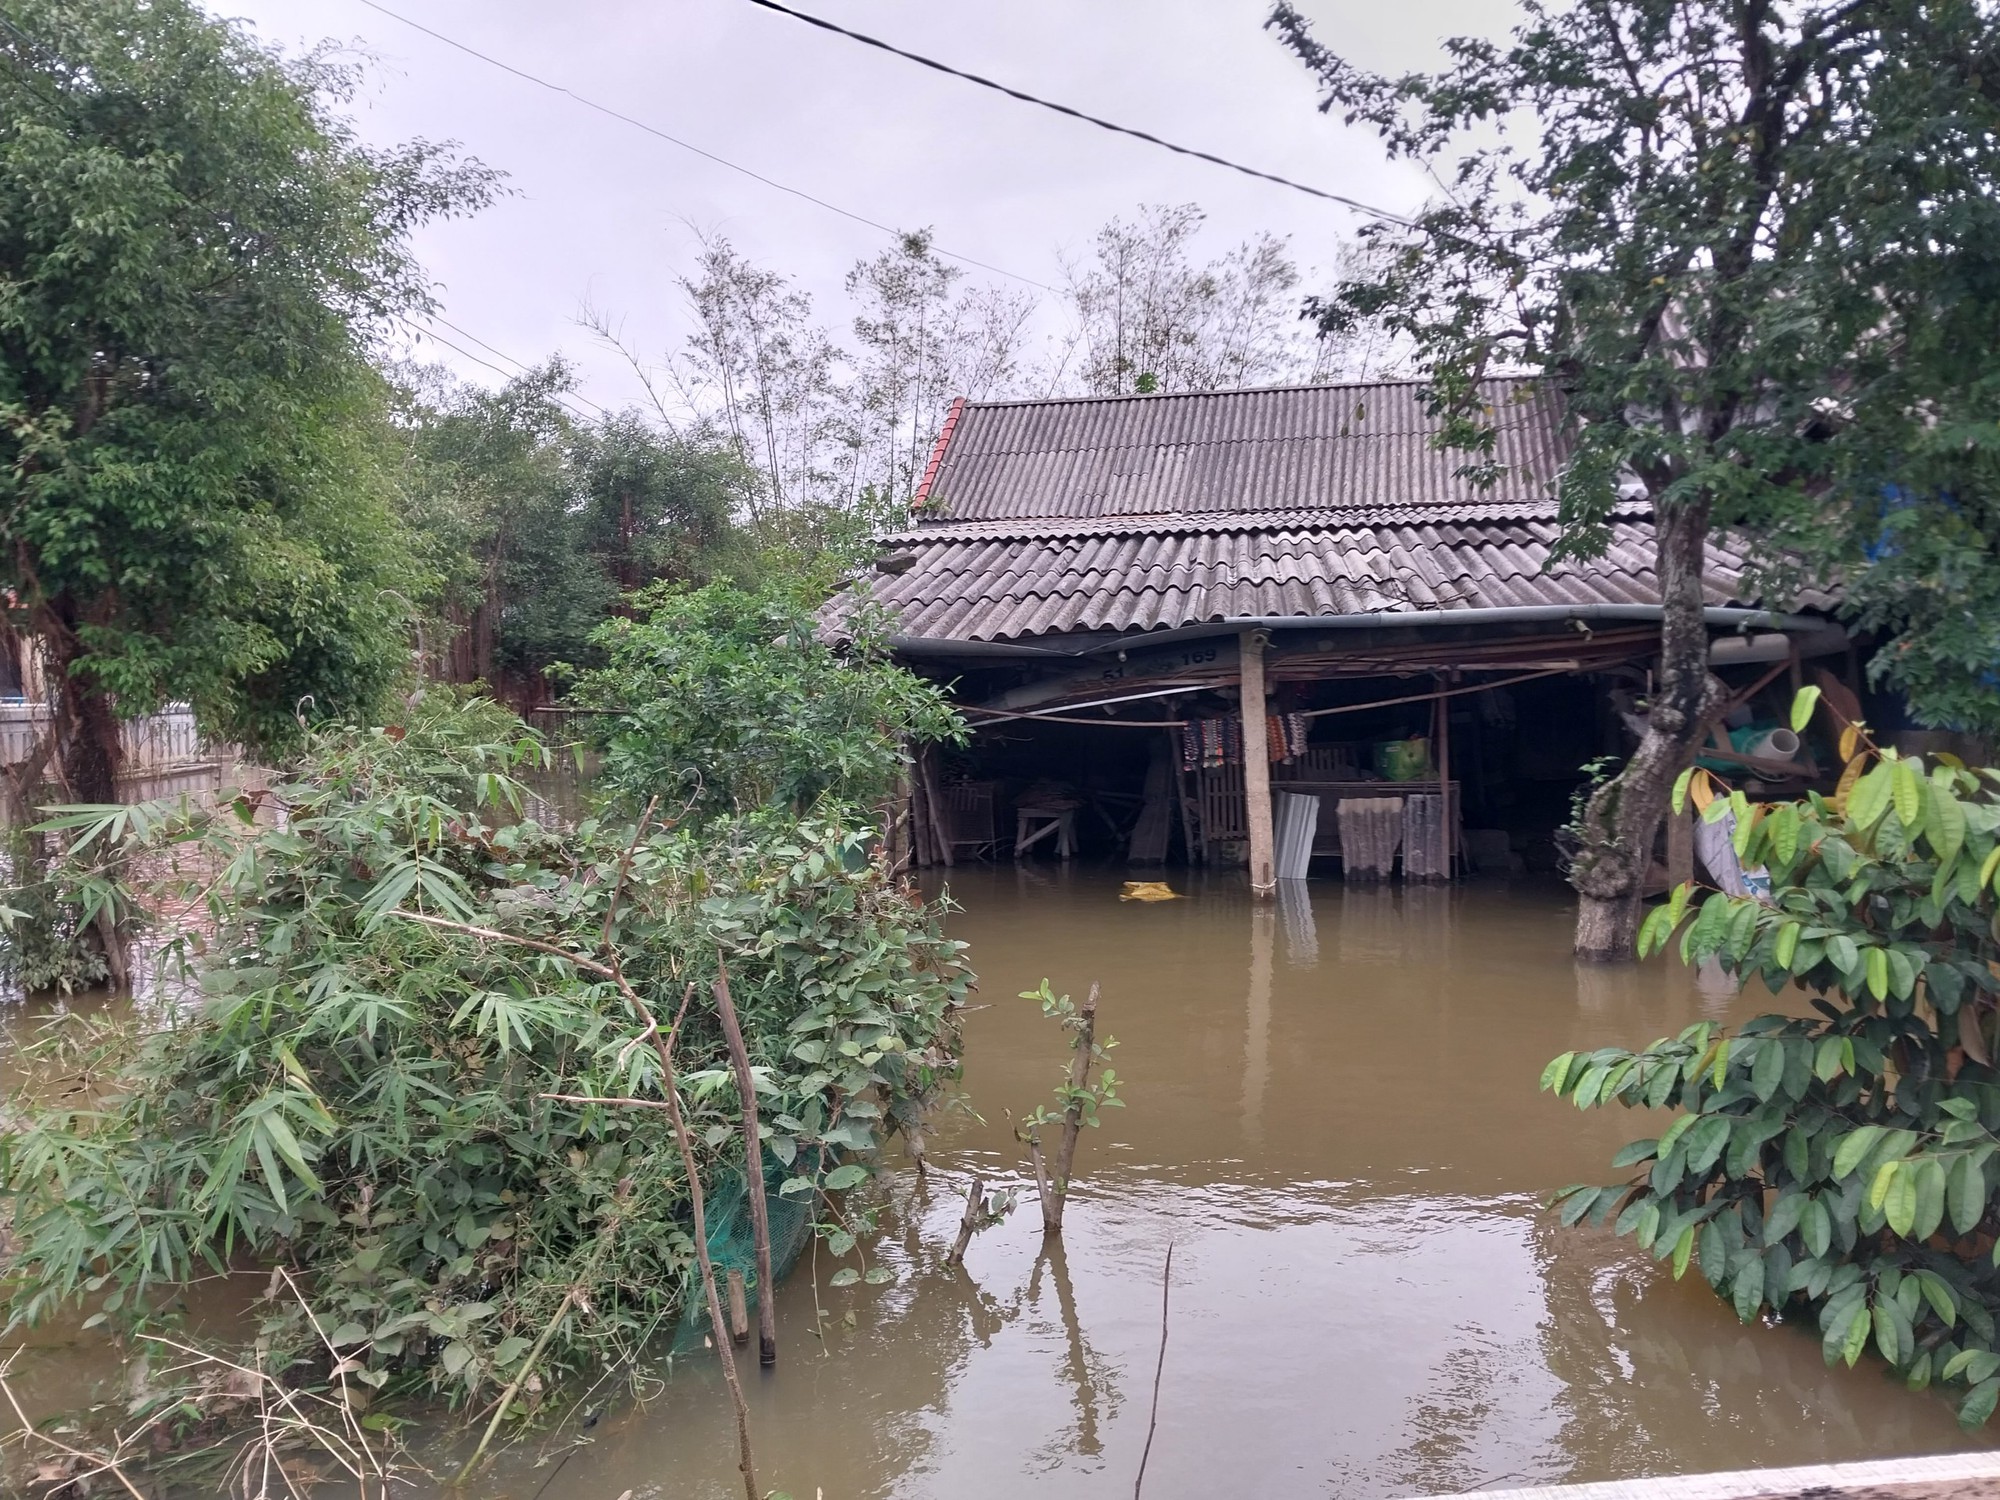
(967, 586)
(1159, 512)
(1285, 448)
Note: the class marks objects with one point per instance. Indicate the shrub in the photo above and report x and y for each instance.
(1840, 1165)
(366, 1097)
(730, 702)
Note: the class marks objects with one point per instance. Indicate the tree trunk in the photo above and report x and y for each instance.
(88, 747)
(1623, 815)
(89, 751)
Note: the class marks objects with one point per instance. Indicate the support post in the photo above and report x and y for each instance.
(1257, 767)
(1680, 847)
(1445, 809)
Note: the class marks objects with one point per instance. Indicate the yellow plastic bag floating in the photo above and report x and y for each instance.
(1148, 890)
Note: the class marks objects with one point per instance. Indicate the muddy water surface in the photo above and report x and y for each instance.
(1332, 1118)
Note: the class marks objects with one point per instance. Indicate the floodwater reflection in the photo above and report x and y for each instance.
(1331, 1113)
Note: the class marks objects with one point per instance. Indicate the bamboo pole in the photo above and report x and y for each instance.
(1257, 767)
(753, 1173)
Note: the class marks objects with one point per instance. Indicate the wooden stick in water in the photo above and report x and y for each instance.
(753, 1174)
(739, 1317)
(975, 1202)
(1079, 1076)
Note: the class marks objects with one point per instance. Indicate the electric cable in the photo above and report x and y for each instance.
(653, 130)
(1076, 114)
(521, 365)
(435, 336)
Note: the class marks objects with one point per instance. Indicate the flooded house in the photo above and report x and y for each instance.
(1278, 629)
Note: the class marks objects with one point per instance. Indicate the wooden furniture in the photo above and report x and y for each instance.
(1054, 818)
(969, 820)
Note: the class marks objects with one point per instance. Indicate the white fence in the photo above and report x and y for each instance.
(163, 744)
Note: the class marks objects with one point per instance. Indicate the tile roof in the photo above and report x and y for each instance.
(999, 587)
(1159, 512)
(1286, 448)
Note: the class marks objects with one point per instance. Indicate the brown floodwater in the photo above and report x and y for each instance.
(1331, 1117)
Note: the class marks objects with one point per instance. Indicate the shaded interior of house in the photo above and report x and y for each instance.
(1280, 629)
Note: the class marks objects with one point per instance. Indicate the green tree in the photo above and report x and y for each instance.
(1840, 1163)
(196, 256)
(730, 701)
(533, 524)
(1735, 236)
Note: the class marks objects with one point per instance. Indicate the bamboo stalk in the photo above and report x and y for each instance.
(753, 1172)
(1079, 1077)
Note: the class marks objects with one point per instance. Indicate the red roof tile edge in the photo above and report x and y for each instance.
(923, 495)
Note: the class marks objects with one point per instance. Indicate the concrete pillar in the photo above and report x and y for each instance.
(1257, 768)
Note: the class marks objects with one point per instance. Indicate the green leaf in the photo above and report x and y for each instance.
(1767, 1070)
(1965, 1192)
(1680, 793)
(1748, 1289)
(1871, 795)
(1888, 1331)
(842, 1178)
(1899, 1204)
(1930, 1192)
(1853, 1147)
(1977, 1406)
(1907, 790)
(1556, 1074)
(1816, 1228)
(845, 1276)
(1937, 1292)
(1944, 824)
(1784, 825)
(1683, 1250)
(1878, 973)
(1788, 943)
(1803, 703)
(1705, 1142)
(1857, 1338)
(1784, 1216)
(879, 1276)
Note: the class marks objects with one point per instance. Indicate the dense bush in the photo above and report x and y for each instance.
(1840, 1165)
(364, 1097)
(730, 701)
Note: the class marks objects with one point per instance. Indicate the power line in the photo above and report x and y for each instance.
(653, 130)
(435, 336)
(503, 354)
(1075, 114)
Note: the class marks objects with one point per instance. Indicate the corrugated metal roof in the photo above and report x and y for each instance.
(1159, 512)
(997, 588)
(1289, 448)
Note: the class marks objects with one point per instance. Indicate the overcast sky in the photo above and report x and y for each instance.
(600, 213)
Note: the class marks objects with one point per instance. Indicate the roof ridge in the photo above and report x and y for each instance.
(1289, 518)
(1241, 390)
